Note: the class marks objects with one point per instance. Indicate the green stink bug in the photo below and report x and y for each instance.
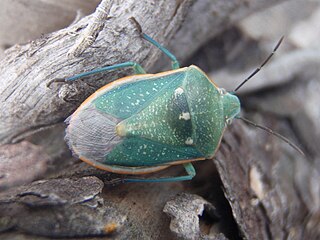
(147, 122)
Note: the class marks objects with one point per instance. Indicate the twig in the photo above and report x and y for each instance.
(93, 29)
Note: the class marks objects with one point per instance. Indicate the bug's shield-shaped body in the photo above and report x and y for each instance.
(145, 123)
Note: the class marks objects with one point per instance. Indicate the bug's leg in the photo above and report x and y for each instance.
(188, 167)
(136, 67)
(174, 61)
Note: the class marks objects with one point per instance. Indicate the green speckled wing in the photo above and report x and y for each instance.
(161, 125)
(129, 98)
(136, 151)
(91, 131)
(165, 120)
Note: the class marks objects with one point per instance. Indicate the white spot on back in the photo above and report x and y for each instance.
(185, 116)
(189, 141)
(178, 91)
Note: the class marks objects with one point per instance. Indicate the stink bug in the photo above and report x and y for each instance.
(147, 122)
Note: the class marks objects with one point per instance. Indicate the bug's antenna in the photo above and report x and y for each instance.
(273, 133)
(261, 66)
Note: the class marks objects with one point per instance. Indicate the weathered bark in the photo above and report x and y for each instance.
(257, 188)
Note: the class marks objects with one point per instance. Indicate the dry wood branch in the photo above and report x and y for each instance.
(93, 29)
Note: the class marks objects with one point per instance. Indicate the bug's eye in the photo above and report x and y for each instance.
(222, 91)
(228, 121)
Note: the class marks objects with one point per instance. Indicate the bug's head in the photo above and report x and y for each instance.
(231, 105)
